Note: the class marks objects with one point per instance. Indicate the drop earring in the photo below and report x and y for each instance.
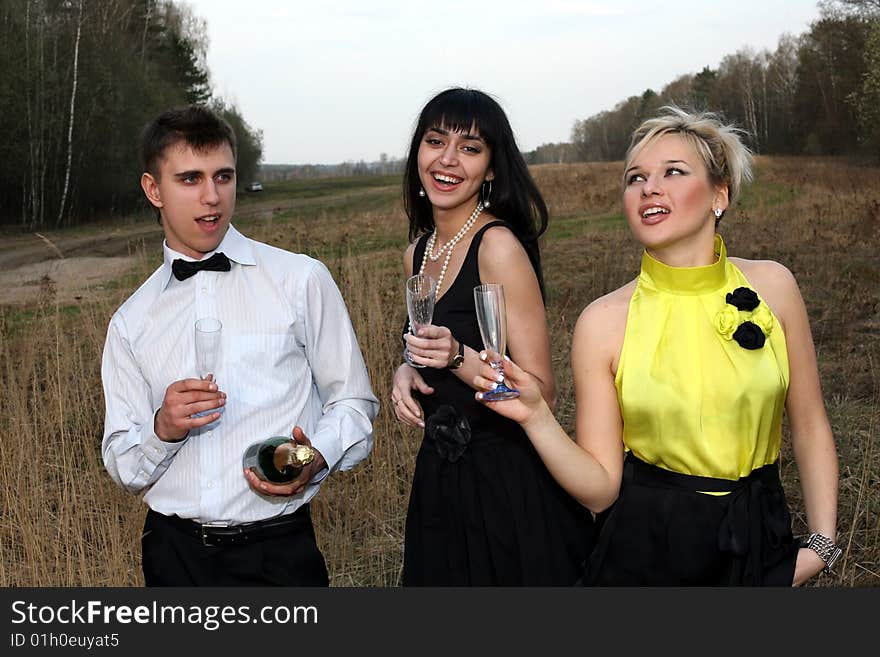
(718, 213)
(422, 192)
(486, 194)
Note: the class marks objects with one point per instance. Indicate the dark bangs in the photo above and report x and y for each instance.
(463, 110)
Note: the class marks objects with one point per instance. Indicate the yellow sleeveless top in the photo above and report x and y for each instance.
(693, 398)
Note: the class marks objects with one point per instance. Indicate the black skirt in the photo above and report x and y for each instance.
(488, 513)
(665, 530)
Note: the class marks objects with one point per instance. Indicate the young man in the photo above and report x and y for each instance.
(288, 358)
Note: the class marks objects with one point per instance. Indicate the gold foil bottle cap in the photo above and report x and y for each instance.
(292, 455)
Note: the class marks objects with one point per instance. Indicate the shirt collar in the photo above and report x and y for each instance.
(235, 245)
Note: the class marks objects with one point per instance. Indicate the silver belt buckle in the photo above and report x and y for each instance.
(210, 525)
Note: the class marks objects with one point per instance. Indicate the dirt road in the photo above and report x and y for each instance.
(76, 264)
(30, 248)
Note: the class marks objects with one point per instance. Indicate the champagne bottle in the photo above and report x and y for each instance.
(278, 460)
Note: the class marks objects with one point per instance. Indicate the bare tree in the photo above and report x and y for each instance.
(782, 75)
(34, 180)
(72, 115)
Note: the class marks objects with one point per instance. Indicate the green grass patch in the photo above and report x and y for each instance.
(14, 321)
(343, 204)
(765, 193)
(577, 225)
(346, 246)
(318, 187)
(130, 280)
(609, 221)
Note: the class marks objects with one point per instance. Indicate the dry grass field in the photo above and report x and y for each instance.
(64, 523)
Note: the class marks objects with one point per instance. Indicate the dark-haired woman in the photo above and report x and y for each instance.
(483, 509)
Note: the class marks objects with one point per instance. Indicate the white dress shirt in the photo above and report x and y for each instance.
(288, 357)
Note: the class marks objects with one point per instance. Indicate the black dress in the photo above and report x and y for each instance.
(483, 510)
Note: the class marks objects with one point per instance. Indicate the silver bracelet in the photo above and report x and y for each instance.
(828, 550)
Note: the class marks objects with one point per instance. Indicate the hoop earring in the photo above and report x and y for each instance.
(422, 192)
(484, 195)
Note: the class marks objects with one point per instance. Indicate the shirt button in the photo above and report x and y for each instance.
(204, 290)
(210, 484)
(210, 432)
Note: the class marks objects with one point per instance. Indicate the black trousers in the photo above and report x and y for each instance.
(176, 553)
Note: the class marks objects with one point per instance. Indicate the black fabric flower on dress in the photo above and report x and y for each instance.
(749, 336)
(448, 432)
(742, 298)
(744, 319)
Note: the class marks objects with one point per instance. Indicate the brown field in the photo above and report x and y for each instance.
(64, 522)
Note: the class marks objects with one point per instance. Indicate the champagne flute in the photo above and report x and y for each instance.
(492, 318)
(208, 332)
(421, 291)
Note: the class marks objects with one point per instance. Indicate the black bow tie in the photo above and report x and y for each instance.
(183, 269)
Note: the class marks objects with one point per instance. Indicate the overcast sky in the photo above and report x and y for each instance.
(337, 80)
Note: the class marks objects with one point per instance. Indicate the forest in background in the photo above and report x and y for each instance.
(816, 94)
(80, 78)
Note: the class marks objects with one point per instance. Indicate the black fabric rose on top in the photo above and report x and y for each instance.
(749, 335)
(448, 432)
(742, 298)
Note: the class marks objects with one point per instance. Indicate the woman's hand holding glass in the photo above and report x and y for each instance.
(433, 346)
(523, 409)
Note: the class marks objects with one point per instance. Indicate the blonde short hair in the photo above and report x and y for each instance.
(720, 146)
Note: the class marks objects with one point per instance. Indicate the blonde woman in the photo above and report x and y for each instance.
(682, 377)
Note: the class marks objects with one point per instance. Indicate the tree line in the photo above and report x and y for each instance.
(384, 166)
(79, 80)
(815, 94)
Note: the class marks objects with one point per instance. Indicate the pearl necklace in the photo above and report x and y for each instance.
(429, 250)
(448, 247)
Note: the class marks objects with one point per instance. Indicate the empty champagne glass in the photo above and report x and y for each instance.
(208, 331)
(492, 318)
(421, 292)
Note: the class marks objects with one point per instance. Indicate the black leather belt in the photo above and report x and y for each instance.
(220, 535)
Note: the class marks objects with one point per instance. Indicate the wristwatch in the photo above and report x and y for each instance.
(827, 550)
(458, 359)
